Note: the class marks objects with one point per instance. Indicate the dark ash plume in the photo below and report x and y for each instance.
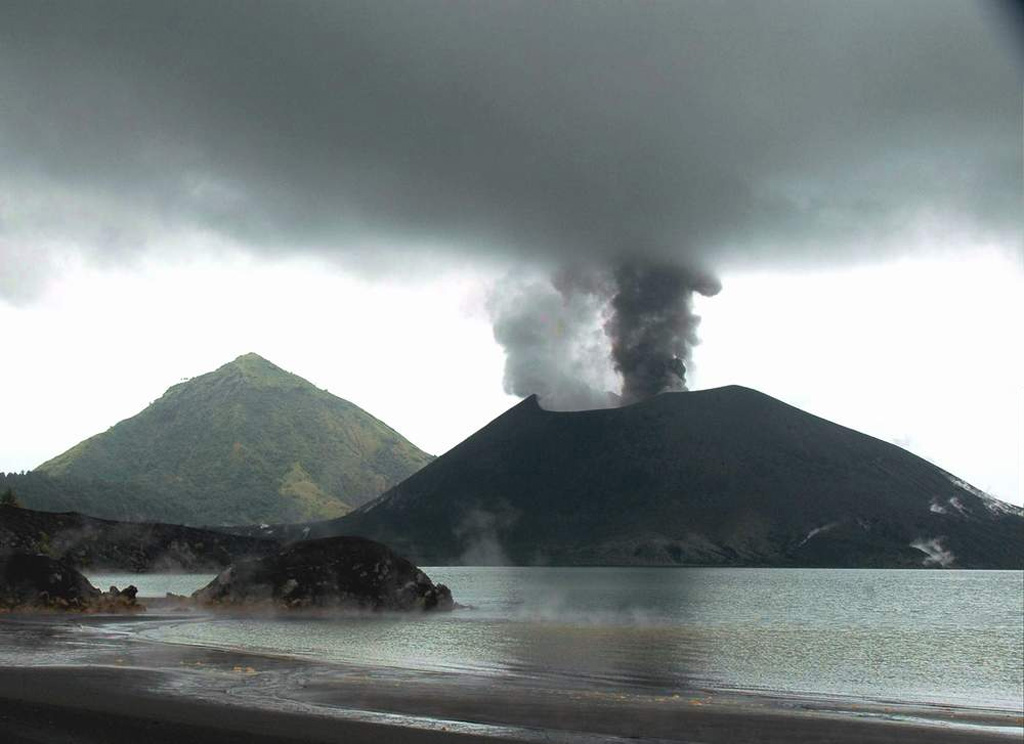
(653, 328)
(587, 331)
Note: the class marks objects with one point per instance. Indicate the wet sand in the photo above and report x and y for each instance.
(110, 706)
(122, 689)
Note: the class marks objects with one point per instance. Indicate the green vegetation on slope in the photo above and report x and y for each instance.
(246, 443)
(132, 503)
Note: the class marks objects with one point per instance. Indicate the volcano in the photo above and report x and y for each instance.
(727, 477)
(248, 442)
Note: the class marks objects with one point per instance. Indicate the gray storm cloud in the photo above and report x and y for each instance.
(648, 145)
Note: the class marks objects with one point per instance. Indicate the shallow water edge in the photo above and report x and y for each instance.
(498, 710)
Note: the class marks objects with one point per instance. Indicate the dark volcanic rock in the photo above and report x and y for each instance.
(715, 477)
(38, 582)
(338, 572)
(88, 542)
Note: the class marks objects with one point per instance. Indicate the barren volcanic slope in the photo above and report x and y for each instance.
(246, 443)
(719, 477)
(89, 543)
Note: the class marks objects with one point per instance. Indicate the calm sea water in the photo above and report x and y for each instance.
(909, 636)
(152, 585)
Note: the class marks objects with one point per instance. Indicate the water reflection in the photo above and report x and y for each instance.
(899, 635)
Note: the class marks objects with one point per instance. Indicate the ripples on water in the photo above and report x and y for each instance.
(925, 636)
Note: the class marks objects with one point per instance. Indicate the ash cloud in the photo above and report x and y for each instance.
(599, 337)
(653, 328)
(631, 139)
(554, 343)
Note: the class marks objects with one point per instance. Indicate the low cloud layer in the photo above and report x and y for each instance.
(623, 139)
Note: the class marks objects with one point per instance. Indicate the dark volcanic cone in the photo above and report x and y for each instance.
(718, 477)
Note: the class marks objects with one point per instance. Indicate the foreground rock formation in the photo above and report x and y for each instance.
(38, 582)
(338, 572)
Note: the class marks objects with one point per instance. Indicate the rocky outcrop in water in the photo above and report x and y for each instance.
(38, 582)
(338, 572)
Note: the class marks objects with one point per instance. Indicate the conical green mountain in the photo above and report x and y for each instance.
(246, 443)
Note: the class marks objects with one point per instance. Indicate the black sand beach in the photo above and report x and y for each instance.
(116, 705)
(117, 688)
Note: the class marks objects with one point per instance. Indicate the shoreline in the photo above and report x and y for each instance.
(138, 686)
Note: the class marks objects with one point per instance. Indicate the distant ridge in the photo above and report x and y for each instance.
(97, 544)
(248, 442)
(728, 476)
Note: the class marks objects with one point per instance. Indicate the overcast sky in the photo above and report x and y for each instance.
(369, 194)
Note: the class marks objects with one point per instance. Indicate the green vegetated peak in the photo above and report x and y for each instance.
(256, 369)
(247, 442)
(251, 369)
